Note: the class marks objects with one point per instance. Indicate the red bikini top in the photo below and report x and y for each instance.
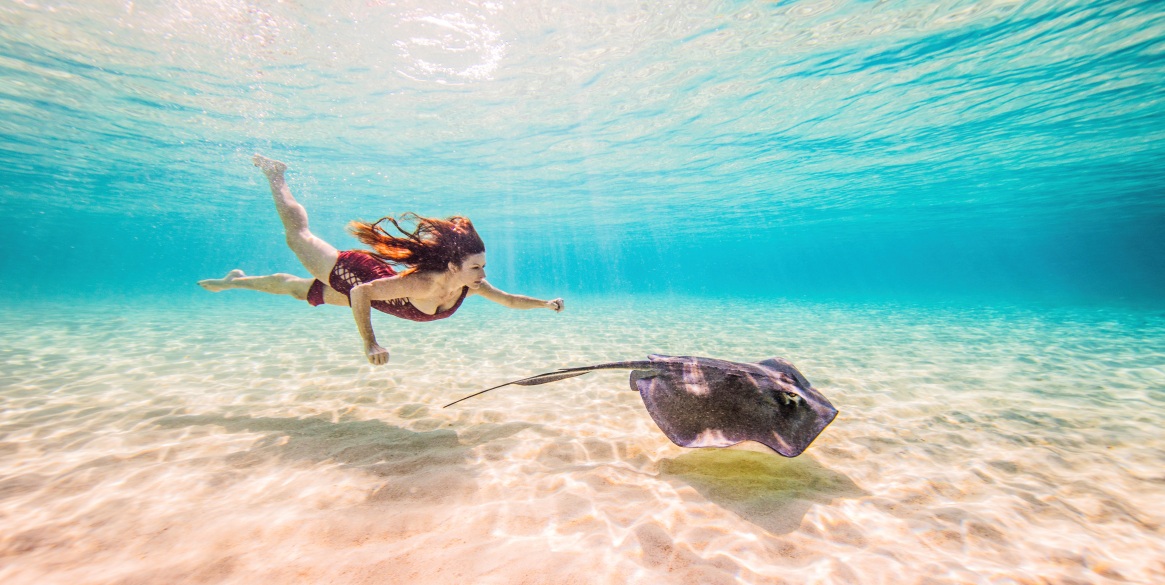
(406, 310)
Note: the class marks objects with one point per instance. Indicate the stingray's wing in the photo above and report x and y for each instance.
(562, 374)
(783, 365)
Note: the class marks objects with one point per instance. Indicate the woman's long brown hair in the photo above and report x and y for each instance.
(431, 246)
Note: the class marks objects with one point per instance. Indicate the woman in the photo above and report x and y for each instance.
(445, 262)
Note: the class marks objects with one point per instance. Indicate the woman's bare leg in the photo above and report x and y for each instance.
(278, 284)
(316, 255)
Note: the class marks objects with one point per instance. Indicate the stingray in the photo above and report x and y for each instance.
(706, 402)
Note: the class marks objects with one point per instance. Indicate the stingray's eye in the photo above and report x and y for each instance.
(783, 398)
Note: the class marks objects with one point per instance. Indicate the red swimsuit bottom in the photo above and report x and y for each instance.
(355, 267)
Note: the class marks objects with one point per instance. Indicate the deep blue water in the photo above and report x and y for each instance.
(979, 151)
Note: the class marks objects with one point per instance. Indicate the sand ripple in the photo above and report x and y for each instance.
(232, 442)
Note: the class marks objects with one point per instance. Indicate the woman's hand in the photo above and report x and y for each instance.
(557, 305)
(377, 356)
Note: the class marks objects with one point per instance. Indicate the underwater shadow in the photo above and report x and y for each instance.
(428, 465)
(767, 490)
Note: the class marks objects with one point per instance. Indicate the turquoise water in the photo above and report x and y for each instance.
(848, 149)
(946, 214)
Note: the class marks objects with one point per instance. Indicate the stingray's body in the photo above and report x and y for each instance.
(706, 402)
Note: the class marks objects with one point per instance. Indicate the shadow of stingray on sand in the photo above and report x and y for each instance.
(769, 491)
(429, 465)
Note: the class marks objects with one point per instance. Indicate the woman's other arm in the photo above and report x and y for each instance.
(516, 301)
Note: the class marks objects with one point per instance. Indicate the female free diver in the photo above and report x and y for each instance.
(444, 262)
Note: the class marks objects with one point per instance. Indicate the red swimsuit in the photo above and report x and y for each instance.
(355, 267)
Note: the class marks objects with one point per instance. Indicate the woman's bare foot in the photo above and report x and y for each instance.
(269, 166)
(220, 284)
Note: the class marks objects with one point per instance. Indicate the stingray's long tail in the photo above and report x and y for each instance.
(531, 381)
(561, 375)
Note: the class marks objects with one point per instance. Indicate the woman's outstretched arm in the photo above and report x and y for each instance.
(362, 295)
(517, 301)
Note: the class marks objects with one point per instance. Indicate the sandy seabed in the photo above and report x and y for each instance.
(245, 441)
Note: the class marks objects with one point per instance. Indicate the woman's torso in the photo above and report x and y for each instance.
(439, 303)
(356, 266)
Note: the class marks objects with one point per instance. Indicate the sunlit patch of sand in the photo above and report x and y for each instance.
(231, 444)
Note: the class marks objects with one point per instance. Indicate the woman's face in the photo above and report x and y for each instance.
(471, 272)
